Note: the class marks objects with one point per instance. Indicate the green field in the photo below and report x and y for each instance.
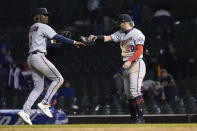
(99, 125)
(102, 127)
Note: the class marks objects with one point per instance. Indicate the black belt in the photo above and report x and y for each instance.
(36, 51)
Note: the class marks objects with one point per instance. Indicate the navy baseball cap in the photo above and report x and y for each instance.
(124, 18)
(42, 11)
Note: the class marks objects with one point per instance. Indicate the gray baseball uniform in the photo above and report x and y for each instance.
(40, 66)
(134, 76)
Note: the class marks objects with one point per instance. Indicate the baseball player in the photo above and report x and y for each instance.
(131, 43)
(40, 66)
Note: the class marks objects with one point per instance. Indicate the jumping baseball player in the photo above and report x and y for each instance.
(40, 66)
(131, 43)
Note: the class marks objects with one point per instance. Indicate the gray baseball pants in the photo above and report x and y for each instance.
(40, 66)
(133, 78)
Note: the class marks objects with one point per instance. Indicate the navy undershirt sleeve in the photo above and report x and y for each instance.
(63, 39)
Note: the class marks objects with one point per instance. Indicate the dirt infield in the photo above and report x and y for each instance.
(105, 129)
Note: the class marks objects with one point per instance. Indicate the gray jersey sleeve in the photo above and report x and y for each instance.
(116, 36)
(139, 38)
(48, 32)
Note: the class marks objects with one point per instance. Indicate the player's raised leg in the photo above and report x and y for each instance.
(38, 79)
(25, 117)
(50, 71)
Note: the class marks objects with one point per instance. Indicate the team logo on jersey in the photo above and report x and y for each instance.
(141, 40)
(125, 41)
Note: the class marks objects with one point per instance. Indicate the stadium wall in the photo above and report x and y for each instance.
(121, 119)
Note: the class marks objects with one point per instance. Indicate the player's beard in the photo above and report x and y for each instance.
(46, 20)
(122, 29)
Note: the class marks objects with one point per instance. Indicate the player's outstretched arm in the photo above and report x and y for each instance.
(89, 41)
(103, 38)
(65, 40)
(107, 38)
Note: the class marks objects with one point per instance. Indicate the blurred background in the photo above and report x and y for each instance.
(93, 75)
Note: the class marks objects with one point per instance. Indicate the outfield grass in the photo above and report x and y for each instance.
(99, 125)
(102, 127)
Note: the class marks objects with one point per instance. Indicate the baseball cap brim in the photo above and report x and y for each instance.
(47, 14)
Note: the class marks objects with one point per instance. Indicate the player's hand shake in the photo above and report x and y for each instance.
(92, 38)
(79, 44)
(88, 41)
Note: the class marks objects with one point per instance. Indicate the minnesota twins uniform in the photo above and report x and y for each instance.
(133, 76)
(40, 66)
(131, 43)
